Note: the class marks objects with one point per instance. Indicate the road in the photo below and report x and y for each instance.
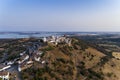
(14, 70)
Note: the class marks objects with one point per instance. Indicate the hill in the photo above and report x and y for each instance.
(76, 62)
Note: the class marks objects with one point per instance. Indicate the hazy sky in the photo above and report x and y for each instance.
(59, 15)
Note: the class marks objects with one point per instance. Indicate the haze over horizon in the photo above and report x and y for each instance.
(60, 15)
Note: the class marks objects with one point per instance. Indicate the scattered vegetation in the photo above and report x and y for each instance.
(63, 62)
(48, 48)
(109, 74)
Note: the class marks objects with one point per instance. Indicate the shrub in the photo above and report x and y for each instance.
(98, 75)
(109, 74)
(52, 75)
(48, 48)
(62, 60)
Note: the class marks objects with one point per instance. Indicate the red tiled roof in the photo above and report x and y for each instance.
(3, 73)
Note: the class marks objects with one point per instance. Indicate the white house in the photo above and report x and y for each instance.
(29, 62)
(26, 58)
(39, 53)
(43, 62)
(37, 59)
(19, 68)
(24, 65)
(3, 67)
(21, 54)
(23, 58)
(10, 62)
(4, 75)
(53, 37)
(44, 39)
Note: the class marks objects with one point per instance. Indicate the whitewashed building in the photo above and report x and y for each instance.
(37, 59)
(44, 39)
(43, 62)
(19, 68)
(4, 67)
(4, 75)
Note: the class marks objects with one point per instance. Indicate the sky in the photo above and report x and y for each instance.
(60, 15)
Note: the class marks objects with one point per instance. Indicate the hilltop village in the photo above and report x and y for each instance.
(29, 55)
(56, 58)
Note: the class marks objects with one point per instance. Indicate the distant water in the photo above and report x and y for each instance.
(4, 35)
